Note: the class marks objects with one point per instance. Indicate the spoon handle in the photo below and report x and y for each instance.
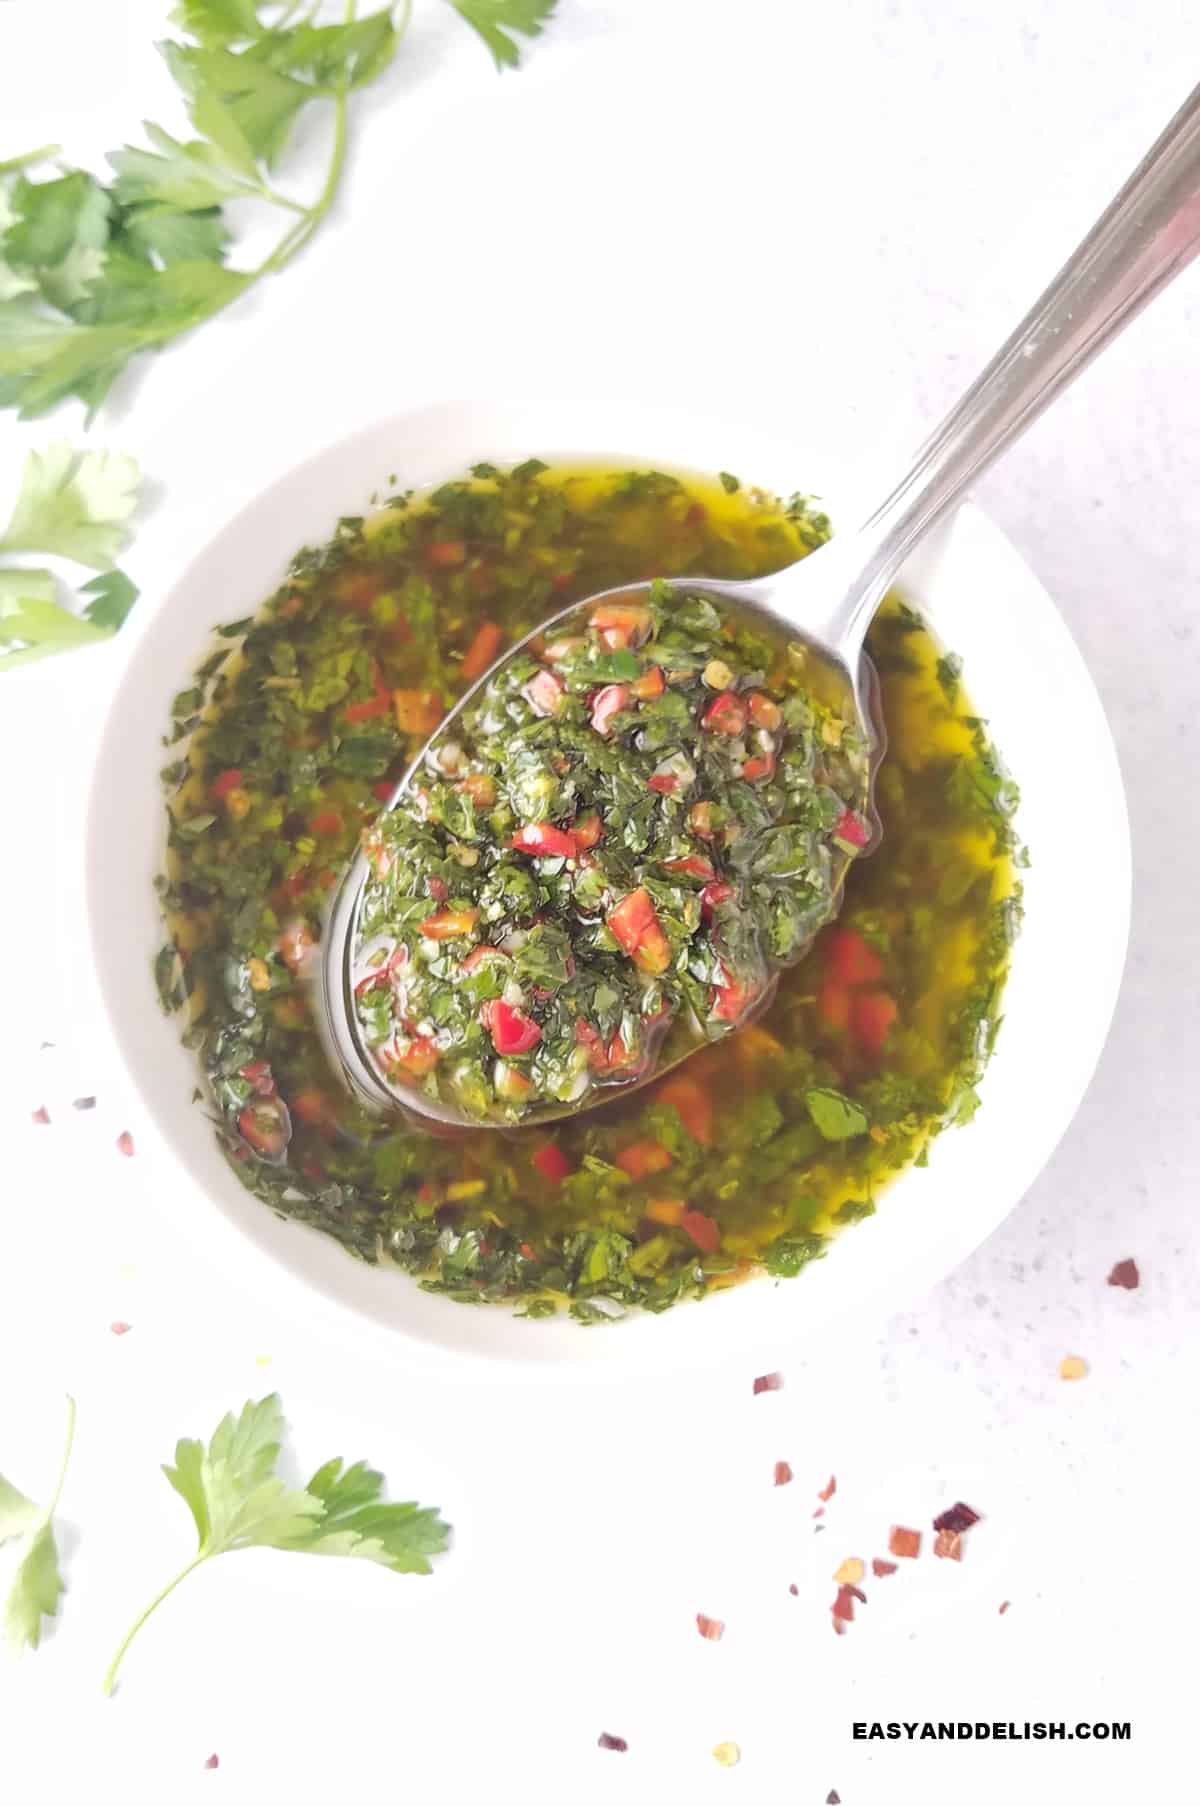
(1144, 238)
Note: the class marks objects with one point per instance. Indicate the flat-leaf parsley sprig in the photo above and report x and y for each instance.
(76, 506)
(238, 1501)
(36, 1585)
(92, 273)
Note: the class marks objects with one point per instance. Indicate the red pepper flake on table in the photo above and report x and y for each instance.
(958, 1518)
(608, 1742)
(783, 1474)
(125, 1144)
(1004, 1607)
(1125, 1274)
(904, 1543)
(833, 1797)
(827, 1491)
(768, 1382)
(711, 1629)
(119, 1328)
(214, 1761)
(880, 1568)
(41, 1115)
(948, 1545)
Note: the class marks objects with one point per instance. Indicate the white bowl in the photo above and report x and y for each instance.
(1023, 672)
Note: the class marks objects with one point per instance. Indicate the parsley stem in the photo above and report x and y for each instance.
(110, 1679)
(66, 1456)
(42, 154)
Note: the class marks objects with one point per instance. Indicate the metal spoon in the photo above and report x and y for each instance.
(1145, 237)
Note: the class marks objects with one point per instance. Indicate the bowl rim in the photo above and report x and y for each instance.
(970, 541)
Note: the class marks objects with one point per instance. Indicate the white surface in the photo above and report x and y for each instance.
(1023, 673)
(859, 166)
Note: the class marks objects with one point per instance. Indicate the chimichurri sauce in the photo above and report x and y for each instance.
(291, 737)
(625, 837)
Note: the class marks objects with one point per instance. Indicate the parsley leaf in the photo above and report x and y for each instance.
(75, 505)
(838, 1118)
(113, 595)
(495, 19)
(238, 1501)
(36, 1585)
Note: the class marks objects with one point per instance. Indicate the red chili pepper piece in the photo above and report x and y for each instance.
(873, 1013)
(704, 1232)
(224, 782)
(482, 651)
(726, 714)
(692, 867)
(851, 831)
(512, 1031)
(542, 840)
(635, 926)
(852, 959)
(552, 1164)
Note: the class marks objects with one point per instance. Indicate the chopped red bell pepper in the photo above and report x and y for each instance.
(762, 765)
(480, 786)
(417, 711)
(552, 1164)
(378, 704)
(383, 789)
(641, 1158)
(258, 1074)
(873, 1013)
(833, 1006)
(606, 703)
(704, 1232)
(588, 831)
(512, 1031)
(621, 624)
(730, 999)
(415, 1060)
(265, 1127)
(544, 841)
(664, 783)
(326, 822)
(692, 1104)
(481, 653)
(694, 866)
(852, 959)
(851, 832)
(223, 783)
(444, 554)
(636, 928)
(449, 924)
(479, 956)
(764, 712)
(650, 684)
(713, 895)
(726, 714)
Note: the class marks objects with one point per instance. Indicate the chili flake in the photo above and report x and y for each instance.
(1125, 1274)
(827, 1491)
(125, 1144)
(850, 1572)
(120, 1329)
(960, 1517)
(1072, 1367)
(712, 1629)
(768, 1382)
(880, 1568)
(41, 1115)
(607, 1741)
(949, 1545)
(783, 1474)
(904, 1543)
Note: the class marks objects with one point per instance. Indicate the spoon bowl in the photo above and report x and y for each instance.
(776, 603)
